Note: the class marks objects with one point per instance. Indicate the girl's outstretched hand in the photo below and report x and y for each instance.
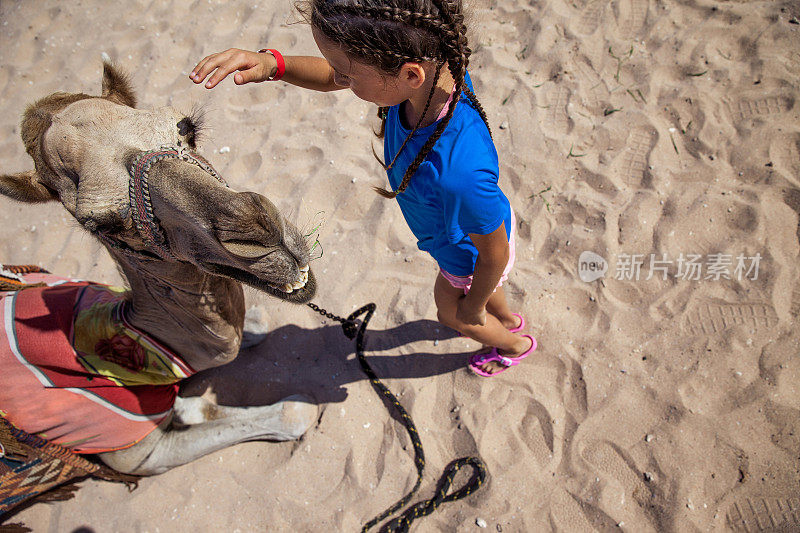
(249, 67)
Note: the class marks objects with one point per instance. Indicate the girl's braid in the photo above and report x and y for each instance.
(450, 7)
(382, 110)
(422, 116)
(446, 28)
(326, 14)
(424, 21)
(478, 107)
(457, 54)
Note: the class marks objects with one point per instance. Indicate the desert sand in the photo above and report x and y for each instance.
(660, 399)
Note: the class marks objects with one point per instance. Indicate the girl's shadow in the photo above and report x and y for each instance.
(319, 363)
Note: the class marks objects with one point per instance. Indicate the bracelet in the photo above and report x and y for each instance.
(279, 59)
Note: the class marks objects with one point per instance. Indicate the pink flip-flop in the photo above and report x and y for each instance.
(479, 359)
(521, 324)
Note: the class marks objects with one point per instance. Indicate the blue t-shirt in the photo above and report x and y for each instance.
(454, 192)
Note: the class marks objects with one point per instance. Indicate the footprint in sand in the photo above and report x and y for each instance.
(714, 317)
(599, 182)
(746, 109)
(567, 514)
(631, 17)
(686, 117)
(245, 165)
(574, 386)
(752, 514)
(593, 89)
(532, 435)
(591, 16)
(580, 225)
(637, 222)
(784, 152)
(791, 197)
(631, 165)
(779, 367)
(524, 428)
(705, 225)
(607, 462)
(794, 309)
(556, 119)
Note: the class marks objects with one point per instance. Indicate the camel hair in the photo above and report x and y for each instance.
(186, 282)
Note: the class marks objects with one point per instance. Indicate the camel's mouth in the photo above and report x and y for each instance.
(300, 292)
(297, 285)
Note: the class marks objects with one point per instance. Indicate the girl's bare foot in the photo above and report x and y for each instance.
(512, 321)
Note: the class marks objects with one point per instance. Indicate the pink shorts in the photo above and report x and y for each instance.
(465, 282)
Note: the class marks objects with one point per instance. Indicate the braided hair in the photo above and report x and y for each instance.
(389, 33)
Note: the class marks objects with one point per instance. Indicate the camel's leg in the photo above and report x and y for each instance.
(212, 427)
(255, 327)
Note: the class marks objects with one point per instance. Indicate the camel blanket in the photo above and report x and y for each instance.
(75, 372)
(31, 467)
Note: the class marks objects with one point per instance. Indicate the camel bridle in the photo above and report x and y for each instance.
(141, 205)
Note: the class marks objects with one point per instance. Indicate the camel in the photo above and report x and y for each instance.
(185, 242)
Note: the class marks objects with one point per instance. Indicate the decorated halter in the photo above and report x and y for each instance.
(139, 193)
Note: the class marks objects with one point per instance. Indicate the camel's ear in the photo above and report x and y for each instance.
(25, 187)
(117, 86)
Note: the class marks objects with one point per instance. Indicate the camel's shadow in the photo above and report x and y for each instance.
(319, 363)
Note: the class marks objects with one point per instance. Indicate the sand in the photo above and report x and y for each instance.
(633, 129)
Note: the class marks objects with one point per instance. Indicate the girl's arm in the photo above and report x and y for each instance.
(304, 71)
(492, 259)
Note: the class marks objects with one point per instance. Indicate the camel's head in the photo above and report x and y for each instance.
(83, 148)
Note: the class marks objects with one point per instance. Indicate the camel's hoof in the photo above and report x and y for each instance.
(298, 414)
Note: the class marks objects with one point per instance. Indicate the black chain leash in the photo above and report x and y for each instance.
(401, 523)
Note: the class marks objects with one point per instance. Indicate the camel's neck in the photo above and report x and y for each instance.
(199, 316)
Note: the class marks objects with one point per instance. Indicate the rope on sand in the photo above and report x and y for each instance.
(402, 522)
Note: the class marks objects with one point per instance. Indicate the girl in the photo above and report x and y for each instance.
(410, 57)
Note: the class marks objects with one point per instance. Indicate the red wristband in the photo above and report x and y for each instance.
(279, 59)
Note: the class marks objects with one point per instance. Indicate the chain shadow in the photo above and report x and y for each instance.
(319, 362)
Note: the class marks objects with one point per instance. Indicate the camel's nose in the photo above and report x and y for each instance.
(295, 243)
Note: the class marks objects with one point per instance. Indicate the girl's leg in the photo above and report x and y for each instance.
(498, 306)
(491, 334)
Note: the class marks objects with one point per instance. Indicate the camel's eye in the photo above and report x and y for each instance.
(246, 249)
(249, 243)
(250, 226)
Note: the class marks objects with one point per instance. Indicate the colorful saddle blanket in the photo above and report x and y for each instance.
(75, 372)
(30, 467)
